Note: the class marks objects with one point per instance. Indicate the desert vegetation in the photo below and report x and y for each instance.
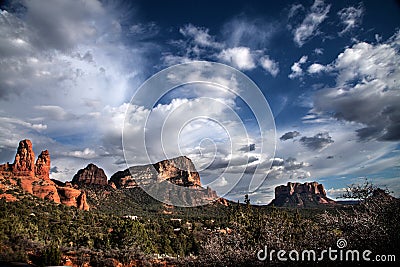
(43, 233)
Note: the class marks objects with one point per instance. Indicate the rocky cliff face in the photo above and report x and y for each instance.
(133, 176)
(179, 171)
(160, 179)
(73, 197)
(300, 195)
(91, 175)
(34, 178)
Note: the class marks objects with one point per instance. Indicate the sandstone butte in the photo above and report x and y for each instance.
(179, 171)
(300, 195)
(34, 178)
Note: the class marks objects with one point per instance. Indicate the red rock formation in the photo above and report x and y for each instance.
(133, 176)
(34, 178)
(24, 163)
(73, 197)
(300, 195)
(222, 201)
(45, 189)
(91, 175)
(42, 166)
(211, 193)
(179, 171)
(170, 180)
(82, 202)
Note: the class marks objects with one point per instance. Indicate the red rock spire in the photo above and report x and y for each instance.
(24, 163)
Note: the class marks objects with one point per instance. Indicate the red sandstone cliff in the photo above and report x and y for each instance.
(34, 178)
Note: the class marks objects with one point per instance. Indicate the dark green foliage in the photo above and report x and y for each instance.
(51, 256)
(31, 224)
(247, 200)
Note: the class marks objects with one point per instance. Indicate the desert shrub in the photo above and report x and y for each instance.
(51, 256)
(372, 224)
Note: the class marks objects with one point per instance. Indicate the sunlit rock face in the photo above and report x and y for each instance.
(172, 180)
(42, 166)
(24, 162)
(73, 197)
(179, 171)
(34, 178)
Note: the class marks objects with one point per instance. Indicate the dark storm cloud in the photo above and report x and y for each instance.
(368, 133)
(39, 33)
(221, 163)
(289, 135)
(392, 133)
(65, 61)
(277, 162)
(317, 142)
(366, 91)
(292, 164)
(380, 115)
(57, 22)
(120, 161)
(248, 148)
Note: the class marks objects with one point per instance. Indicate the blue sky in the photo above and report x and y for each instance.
(328, 69)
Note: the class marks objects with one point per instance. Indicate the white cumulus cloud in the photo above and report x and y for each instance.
(269, 65)
(239, 57)
(87, 153)
(316, 68)
(297, 71)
